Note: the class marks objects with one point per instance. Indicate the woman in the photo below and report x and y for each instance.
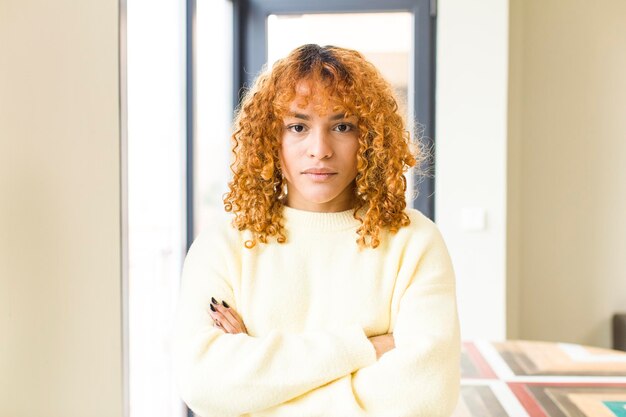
(323, 295)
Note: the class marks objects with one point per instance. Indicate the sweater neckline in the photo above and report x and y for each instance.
(321, 221)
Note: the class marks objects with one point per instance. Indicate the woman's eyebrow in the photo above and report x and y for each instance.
(339, 116)
(299, 116)
(302, 116)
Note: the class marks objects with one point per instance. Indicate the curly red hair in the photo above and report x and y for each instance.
(384, 154)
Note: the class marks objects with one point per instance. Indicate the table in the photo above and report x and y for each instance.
(522, 378)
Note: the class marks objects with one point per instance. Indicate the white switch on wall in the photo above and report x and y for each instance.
(473, 219)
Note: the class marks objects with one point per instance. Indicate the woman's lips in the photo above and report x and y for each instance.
(319, 176)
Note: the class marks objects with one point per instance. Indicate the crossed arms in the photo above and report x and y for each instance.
(333, 372)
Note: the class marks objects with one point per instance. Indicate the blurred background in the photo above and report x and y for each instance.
(115, 120)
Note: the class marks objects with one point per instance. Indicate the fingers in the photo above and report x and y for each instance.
(218, 318)
(227, 317)
(226, 325)
(382, 343)
(233, 318)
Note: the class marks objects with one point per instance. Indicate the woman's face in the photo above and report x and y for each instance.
(318, 154)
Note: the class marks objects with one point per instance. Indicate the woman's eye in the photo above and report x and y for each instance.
(296, 128)
(343, 127)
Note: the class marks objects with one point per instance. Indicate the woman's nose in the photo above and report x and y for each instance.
(319, 146)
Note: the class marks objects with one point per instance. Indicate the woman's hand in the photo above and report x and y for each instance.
(226, 318)
(382, 344)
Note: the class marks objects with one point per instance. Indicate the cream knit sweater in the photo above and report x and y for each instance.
(309, 306)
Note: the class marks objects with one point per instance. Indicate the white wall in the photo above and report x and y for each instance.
(471, 135)
(60, 254)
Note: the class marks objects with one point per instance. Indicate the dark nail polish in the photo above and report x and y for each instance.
(213, 300)
(212, 308)
(225, 305)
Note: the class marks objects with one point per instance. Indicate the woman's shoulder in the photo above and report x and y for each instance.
(421, 230)
(217, 231)
(419, 223)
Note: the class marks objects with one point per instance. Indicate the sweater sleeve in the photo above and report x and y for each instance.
(220, 374)
(421, 376)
